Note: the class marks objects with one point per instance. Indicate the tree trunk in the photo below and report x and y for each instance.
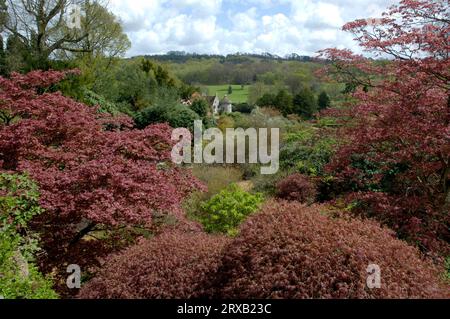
(84, 228)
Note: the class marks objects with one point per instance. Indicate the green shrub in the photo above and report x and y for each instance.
(200, 107)
(19, 201)
(307, 152)
(150, 115)
(216, 179)
(305, 103)
(224, 212)
(243, 108)
(19, 277)
(182, 116)
(177, 116)
(104, 106)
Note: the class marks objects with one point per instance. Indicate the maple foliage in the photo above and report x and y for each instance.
(396, 163)
(171, 265)
(91, 168)
(297, 187)
(291, 251)
(286, 251)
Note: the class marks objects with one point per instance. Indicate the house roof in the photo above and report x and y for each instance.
(210, 99)
(225, 100)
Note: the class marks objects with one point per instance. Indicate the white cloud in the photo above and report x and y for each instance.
(228, 26)
(244, 21)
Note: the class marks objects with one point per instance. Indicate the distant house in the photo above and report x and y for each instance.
(219, 106)
(225, 105)
(214, 103)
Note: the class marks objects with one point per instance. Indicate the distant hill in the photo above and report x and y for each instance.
(183, 57)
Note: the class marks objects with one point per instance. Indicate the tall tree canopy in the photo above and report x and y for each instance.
(42, 26)
(91, 169)
(396, 164)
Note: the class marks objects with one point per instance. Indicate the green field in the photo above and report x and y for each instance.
(239, 95)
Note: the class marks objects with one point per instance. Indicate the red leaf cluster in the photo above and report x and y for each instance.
(297, 187)
(396, 162)
(88, 166)
(170, 266)
(292, 251)
(287, 251)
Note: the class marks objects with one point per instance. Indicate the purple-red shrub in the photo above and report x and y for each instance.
(88, 170)
(297, 187)
(395, 163)
(293, 251)
(169, 266)
(94, 171)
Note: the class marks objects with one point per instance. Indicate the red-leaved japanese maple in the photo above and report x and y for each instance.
(287, 250)
(297, 187)
(171, 265)
(396, 164)
(91, 168)
(291, 251)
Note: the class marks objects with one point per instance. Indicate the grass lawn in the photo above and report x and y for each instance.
(239, 95)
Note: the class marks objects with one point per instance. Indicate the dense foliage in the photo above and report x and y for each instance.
(19, 276)
(243, 108)
(305, 103)
(171, 265)
(286, 251)
(291, 251)
(297, 187)
(176, 116)
(86, 175)
(201, 107)
(225, 211)
(37, 33)
(91, 168)
(308, 150)
(323, 100)
(395, 165)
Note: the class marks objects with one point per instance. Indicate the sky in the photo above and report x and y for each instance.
(251, 26)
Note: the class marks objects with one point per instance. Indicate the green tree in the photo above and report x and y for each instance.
(162, 77)
(176, 115)
(305, 103)
(17, 55)
(256, 91)
(243, 108)
(267, 99)
(181, 116)
(230, 90)
(147, 66)
(323, 101)
(200, 107)
(186, 91)
(130, 85)
(41, 26)
(104, 33)
(284, 102)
